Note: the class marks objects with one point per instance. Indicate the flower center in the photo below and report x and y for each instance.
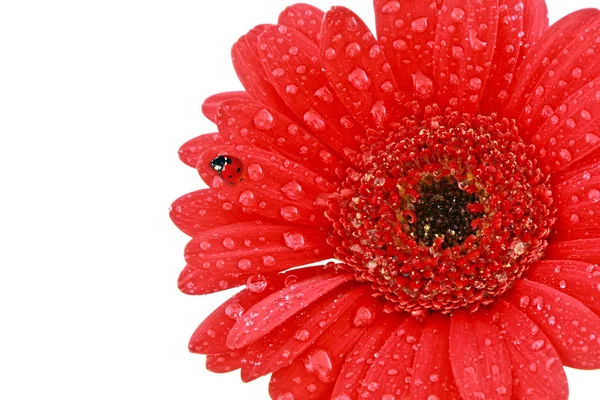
(443, 214)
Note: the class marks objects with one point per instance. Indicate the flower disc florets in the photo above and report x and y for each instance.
(443, 214)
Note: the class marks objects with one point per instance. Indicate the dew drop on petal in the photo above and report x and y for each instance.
(290, 213)
(234, 310)
(457, 15)
(285, 396)
(247, 198)
(594, 195)
(364, 316)
(353, 50)
(359, 79)
(256, 283)
(391, 7)
(254, 172)
(419, 25)
(244, 264)
(292, 190)
(423, 85)
(228, 243)
(537, 345)
(264, 120)
(314, 120)
(294, 241)
(289, 281)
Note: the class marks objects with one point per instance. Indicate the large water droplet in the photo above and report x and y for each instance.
(256, 283)
(476, 43)
(290, 213)
(423, 85)
(314, 120)
(391, 7)
(292, 190)
(319, 364)
(294, 241)
(419, 25)
(359, 79)
(364, 316)
(228, 243)
(254, 172)
(244, 264)
(247, 198)
(264, 120)
(353, 50)
(234, 310)
(457, 15)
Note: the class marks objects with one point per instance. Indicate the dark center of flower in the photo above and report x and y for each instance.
(442, 214)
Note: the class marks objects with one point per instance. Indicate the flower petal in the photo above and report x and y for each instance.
(506, 55)
(211, 104)
(201, 210)
(211, 336)
(432, 371)
(312, 375)
(273, 311)
(587, 250)
(283, 345)
(293, 66)
(251, 73)
(274, 186)
(193, 281)
(304, 18)
(406, 31)
(390, 375)
(579, 280)
(191, 150)
(480, 361)
(357, 69)
(535, 23)
(578, 200)
(237, 124)
(224, 363)
(359, 360)
(234, 252)
(536, 367)
(573, 329)
(465, 42)
(538, 80)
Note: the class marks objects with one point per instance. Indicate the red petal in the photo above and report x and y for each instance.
(194, 282)
(390, 374)
(406, 31)
(545, 66)
(234, 252)
(274, 186)
(506, 55)
(587, 250)
(251, 73)
(357, 69)
(283, 345)
(273, 311)
(579, 280)
(305, 18)
(360, 359)
(465, 43)
(537, 369)
(294, 67)
(432, 372)
(191, 150)
(480, 361)
(578, 201)
(223, 363)
(312, 375)
(201, 210)
(284, 137)
(211, 336)
(573, 329)
(535, 23)
(211, 104)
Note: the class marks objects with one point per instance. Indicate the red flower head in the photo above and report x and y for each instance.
(452, 167)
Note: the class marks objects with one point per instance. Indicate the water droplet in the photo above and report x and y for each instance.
(254, 172)
(591, 139)
(565, 155)
(538, 302)
(574, 218)
(290, 213)
(577, 72)
(359, 79)
(537, 345)
(379, 113)
(319, 364)
(476, 43)
(278, 72)
(475, 84)
(314, 120)
(457, 15)
(524, 301)
(364, 316)
(423, 85)
(244, 264)
(330, 54)
(234, 311)
(264, 120)
(290, 280)
(292, 190)
(268, 261)
(291, 89)
(324, 94)
(247, 198)
(204, 245)
(294, 241)
(228, 243)
(562, 284)
(391, 7)
(285, 396)
(256, 283)
(419, 25)
(353, 50)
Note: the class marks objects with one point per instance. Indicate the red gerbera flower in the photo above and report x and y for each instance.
(451, 165)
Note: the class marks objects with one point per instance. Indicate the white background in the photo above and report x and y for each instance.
(95, 99)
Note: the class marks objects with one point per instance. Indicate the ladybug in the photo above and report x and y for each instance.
(230, 168)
